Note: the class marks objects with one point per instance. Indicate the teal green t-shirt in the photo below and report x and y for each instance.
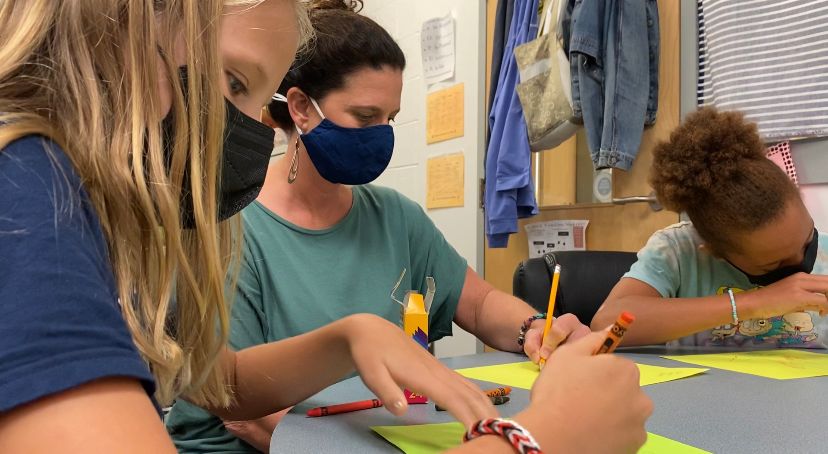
(673, 263)
(293, 280)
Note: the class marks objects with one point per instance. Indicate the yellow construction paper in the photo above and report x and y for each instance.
(444, 181)
(438, 438)
(523, 375)
(650, 375)
(656, 444)
(777, 364)
(445, 114)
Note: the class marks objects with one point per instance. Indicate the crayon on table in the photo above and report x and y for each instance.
(502, 391)
(364, 405)
(496, 400)
(344, 408)
(616, 333)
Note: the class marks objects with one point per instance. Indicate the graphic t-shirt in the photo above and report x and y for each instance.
(674, 265)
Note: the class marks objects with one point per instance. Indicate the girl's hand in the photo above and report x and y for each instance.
(587, 404)
(388, 360)
(800, 292)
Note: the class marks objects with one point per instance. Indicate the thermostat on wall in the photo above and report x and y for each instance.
(602, 186)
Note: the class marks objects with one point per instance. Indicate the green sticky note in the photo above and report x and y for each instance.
(524, 374)
(423, 438)
(438, 438)
(778, 364)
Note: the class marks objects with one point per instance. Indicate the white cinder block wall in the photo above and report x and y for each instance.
(462, 227)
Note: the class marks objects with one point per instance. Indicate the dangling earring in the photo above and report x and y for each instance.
(294, 163)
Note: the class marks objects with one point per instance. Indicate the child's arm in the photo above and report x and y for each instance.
(659, 320)
(106, 415)
(270, 377)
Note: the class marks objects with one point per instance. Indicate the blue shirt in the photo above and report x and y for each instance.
(61, 326)
(509, 193)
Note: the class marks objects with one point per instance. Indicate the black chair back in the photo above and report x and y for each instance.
(587, 278)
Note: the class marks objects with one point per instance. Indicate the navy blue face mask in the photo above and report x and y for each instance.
(348, 155)
(778, 274)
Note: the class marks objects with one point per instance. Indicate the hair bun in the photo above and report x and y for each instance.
(343, 5)
(708, 148)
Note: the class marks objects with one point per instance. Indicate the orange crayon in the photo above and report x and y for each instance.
(616, 333)
(502, 391)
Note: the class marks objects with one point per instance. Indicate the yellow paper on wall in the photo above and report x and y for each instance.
(445, 114)
(444, 181)
(777, 364)
(524, 374)
(438, 438)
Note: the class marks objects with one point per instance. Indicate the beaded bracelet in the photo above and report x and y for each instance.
(525, 327)
(514, 433)
(733, 307)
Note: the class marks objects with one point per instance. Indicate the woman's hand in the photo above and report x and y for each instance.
(566, 328)
(388, 360)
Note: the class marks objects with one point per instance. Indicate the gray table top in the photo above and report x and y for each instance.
(719, 411)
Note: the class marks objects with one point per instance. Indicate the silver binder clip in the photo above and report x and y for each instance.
(431, 289)
(396, 287)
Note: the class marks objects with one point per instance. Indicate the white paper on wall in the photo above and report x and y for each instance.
(437, 43)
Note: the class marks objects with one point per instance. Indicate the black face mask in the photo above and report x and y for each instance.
(244, 159)
(778, 274)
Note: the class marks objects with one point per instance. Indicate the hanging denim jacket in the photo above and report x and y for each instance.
(613, 52)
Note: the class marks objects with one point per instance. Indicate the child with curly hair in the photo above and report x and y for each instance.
(747, 270)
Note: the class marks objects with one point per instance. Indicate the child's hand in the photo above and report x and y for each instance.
(797, 293)
(566, 328)
(584, 403)
(388, 360)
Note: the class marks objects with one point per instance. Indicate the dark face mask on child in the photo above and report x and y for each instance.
(245, 156)
(778, 274)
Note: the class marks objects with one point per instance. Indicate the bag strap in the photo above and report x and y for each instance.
(551, 13)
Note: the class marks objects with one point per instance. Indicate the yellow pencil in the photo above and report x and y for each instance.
(553, 295)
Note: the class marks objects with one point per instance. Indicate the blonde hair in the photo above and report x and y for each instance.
(85, 74)
(303, 23)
